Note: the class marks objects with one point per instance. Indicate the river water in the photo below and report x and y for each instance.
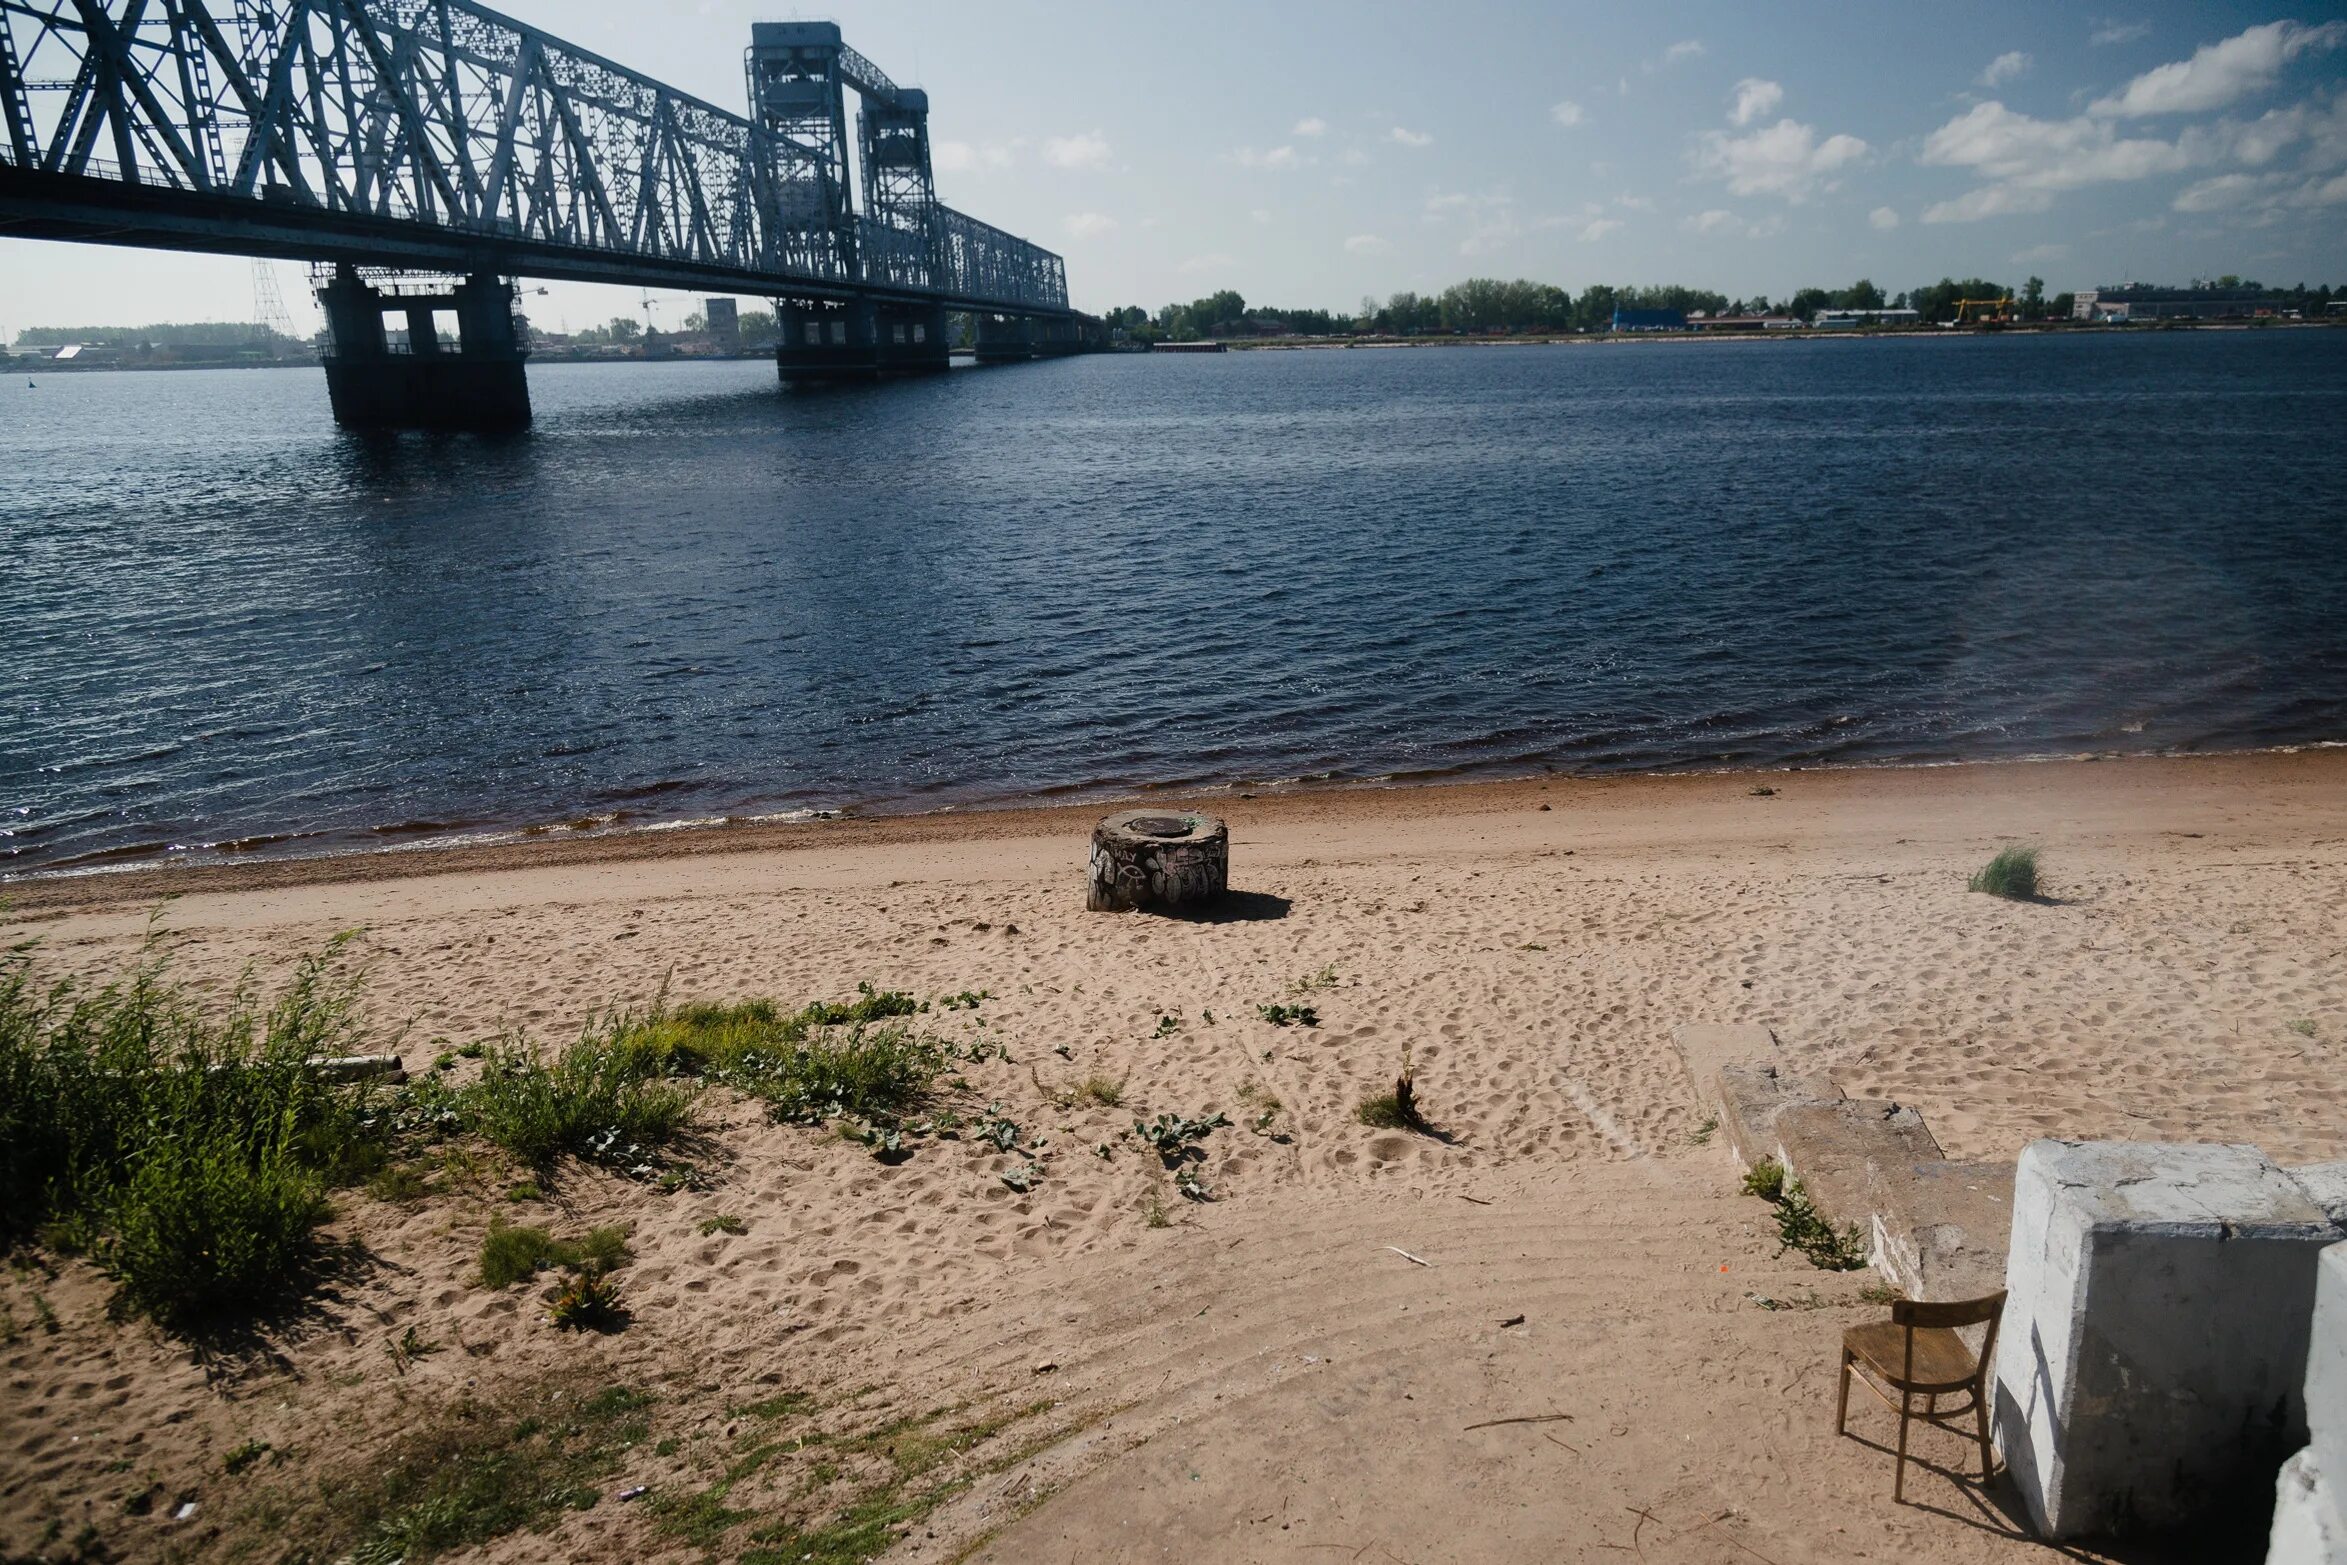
(686, 594)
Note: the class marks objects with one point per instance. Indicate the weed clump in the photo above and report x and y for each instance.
(1800, 1226)
(1765, 1179)
(2012, 874)
(189, 1157)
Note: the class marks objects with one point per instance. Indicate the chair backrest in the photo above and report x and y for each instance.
(1914, 1313)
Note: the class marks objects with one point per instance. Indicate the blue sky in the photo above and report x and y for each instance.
(1315, 151)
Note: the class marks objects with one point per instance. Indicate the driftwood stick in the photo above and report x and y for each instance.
(1528, 1418)
(1407, 1256)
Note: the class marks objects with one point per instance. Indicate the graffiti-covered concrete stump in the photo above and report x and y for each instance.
(1158, 859)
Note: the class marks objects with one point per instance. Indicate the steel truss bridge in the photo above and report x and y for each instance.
(439, 135)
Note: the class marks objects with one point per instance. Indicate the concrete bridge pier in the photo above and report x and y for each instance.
(1062, 335)
(1005, 339)
(453, 362)
(859, 340)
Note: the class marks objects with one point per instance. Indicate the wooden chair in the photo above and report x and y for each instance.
(1917, 1353)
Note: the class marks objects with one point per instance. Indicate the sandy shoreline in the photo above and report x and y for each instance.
(45, 889)
(1262, 1379)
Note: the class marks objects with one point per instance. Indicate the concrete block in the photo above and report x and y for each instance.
(1840, 1150)
(2326, 1367)
(2153, 1358)
(1706, 1046)
(2308, 1529)
(2327, 1183)
(1940, 1229)
(1750, 1098)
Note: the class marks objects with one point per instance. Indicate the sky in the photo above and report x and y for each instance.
(1313, 152)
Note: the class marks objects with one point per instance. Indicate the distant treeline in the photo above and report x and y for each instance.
(1483, 304)
(168, 334)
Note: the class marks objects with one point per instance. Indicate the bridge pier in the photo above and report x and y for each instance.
(1005, 339)
(860, 340)
(429, 382)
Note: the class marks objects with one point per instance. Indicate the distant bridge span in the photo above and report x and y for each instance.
(441, 136)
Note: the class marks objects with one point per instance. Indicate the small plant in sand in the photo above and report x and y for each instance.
(1263, 1108)
(409, 1346)
(1398, 1109)
(587, 1301)
(2012, 874)
(1175, 1139)
(1705, 1131)
(1324, 979)
(245, 1456)
(2303, 1026)
(1168, 1025)
(1190, 1185)
(1153, 1211)
(1283, 1015)
(1765, 1179)
(1800, 1226)
(1103, 1091)
(1023, 1178)
(723, 1223)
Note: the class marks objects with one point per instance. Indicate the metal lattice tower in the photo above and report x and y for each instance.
(269, 312)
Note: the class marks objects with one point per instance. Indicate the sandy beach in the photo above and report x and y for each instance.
(1272, 1375)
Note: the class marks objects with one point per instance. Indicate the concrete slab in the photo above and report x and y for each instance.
(1750, 1098)
(2326, 1367)
(1841, 1149)
(2327, 1183)
(2153, 1359)
(2308, 1528)
(1940, 1229)
(1706, 1046)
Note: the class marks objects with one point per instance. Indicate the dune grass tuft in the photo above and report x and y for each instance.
(2011, 874)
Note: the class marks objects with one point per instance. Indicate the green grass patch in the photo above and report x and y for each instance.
(480, 1472)
(1382, 1111)
(2011, 874)
(1765, 1179)
(515, 1252)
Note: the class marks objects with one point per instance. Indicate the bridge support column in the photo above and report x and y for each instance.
(859, 340)
(1005, 339)
(475, 381)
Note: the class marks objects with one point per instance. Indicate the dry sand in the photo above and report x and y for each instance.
(1264, 1379)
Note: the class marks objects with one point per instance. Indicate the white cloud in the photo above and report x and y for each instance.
(1754, 98)
(1988, 201)
(1410, 138)
(1684, 49)
(2039, 254)
(1367, 244)
(1714, 221)
(1353, 157)
(2004, 68)
(1597, 228)
(1089, 152)
(1310, 127)
(1280, 157)
(2110, 30)
(2262, 193)
(961, 157)
(1089, 225)
(2221, 73)
(1490, 218)
(1565, 112)
(1786, 159)
(1883, 217)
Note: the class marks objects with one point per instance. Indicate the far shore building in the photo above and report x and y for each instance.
(1744, 323)
(1650, 320)
(2143, 302)
(1843, 320)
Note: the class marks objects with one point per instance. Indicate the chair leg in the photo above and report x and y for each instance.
(1988, 1453)
(1899, 1474)
(1842, 1403)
